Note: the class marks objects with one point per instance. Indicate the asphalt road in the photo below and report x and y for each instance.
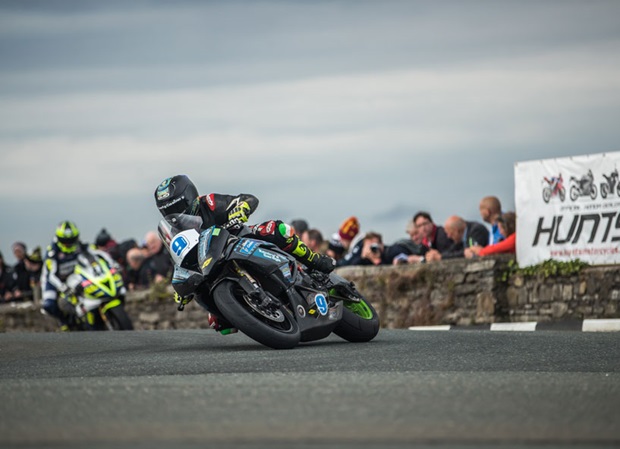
(191, 388)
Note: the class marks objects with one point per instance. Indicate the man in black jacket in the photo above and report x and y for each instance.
(464, 234)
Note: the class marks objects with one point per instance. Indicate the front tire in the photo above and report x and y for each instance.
(360, 322)
(118, 320)
(230, 299)
(574, 193)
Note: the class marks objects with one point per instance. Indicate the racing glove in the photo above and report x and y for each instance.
(239, 213)
(66, 306)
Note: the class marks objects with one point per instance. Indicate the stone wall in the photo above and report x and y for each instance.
(459, 292)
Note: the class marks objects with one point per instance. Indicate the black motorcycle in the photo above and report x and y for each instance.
(583, 187)
(260, 289)
(611, 183)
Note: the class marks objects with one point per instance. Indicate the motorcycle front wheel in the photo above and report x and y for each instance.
(604, 190)
(593, 192)
(360, 321)
(546, 194)
(238, 308)
(118, 320)
(574, 193)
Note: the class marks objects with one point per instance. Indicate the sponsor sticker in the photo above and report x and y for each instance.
(268, 255)
(211, 201)
(179, 244)
(163, 190)
(246, 247)
(321, 303)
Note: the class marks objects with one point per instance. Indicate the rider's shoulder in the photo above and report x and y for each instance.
(50, 251)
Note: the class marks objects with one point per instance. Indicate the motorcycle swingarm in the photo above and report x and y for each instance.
(249, 285)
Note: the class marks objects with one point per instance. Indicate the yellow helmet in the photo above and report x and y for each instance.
(67, 235)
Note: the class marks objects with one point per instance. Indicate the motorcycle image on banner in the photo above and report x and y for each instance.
(263, 291)
(611, 183)
(583, 187)
(554, 187)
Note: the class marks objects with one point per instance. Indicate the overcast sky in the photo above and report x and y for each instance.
(323, 109)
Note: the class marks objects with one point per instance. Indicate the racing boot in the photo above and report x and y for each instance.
(314, 261)
(221, 325)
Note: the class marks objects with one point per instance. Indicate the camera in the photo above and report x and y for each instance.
(375, 248)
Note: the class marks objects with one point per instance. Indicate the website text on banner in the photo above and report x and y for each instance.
(568, 209)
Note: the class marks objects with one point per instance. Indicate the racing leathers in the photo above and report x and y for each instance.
(219, 209)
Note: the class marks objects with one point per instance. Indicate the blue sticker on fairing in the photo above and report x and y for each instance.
(286, 271)
(246, 246)
(321, 304)
(205, 241)
(180, 275)
(265, 254)
(179, 244)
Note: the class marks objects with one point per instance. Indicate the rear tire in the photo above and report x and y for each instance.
(229, 300)
(118, 319)
(360, 322)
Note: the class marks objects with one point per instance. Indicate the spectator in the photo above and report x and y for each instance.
(409, 250)
(136, 275)
(21, 286)
(105, 242)
(34, 267)
(6, 281)
(351, 239)
(314, 240)
(157, 264)
(299, 226)
(119, 254)
(464, 234)
(372, 251)
(507, 224)
(490, 211)
(335, 249)
(434, 237)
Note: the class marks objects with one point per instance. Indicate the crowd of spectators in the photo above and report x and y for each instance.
(143, 263)
(140, 264)
(427, 242)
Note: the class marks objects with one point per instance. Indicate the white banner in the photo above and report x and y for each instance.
(568, 209)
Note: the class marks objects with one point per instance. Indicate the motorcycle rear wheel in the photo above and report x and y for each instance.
(360, 321)
(229, 299)
(118, 320)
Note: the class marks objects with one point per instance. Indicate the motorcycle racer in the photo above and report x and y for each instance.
(178, 194)
(60, 261)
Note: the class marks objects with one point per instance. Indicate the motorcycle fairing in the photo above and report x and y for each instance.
(185, 281)
(182, 244)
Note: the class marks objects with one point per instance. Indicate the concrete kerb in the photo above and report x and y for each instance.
(611, 325)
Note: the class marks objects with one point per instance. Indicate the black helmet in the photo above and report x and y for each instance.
(175, 195)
